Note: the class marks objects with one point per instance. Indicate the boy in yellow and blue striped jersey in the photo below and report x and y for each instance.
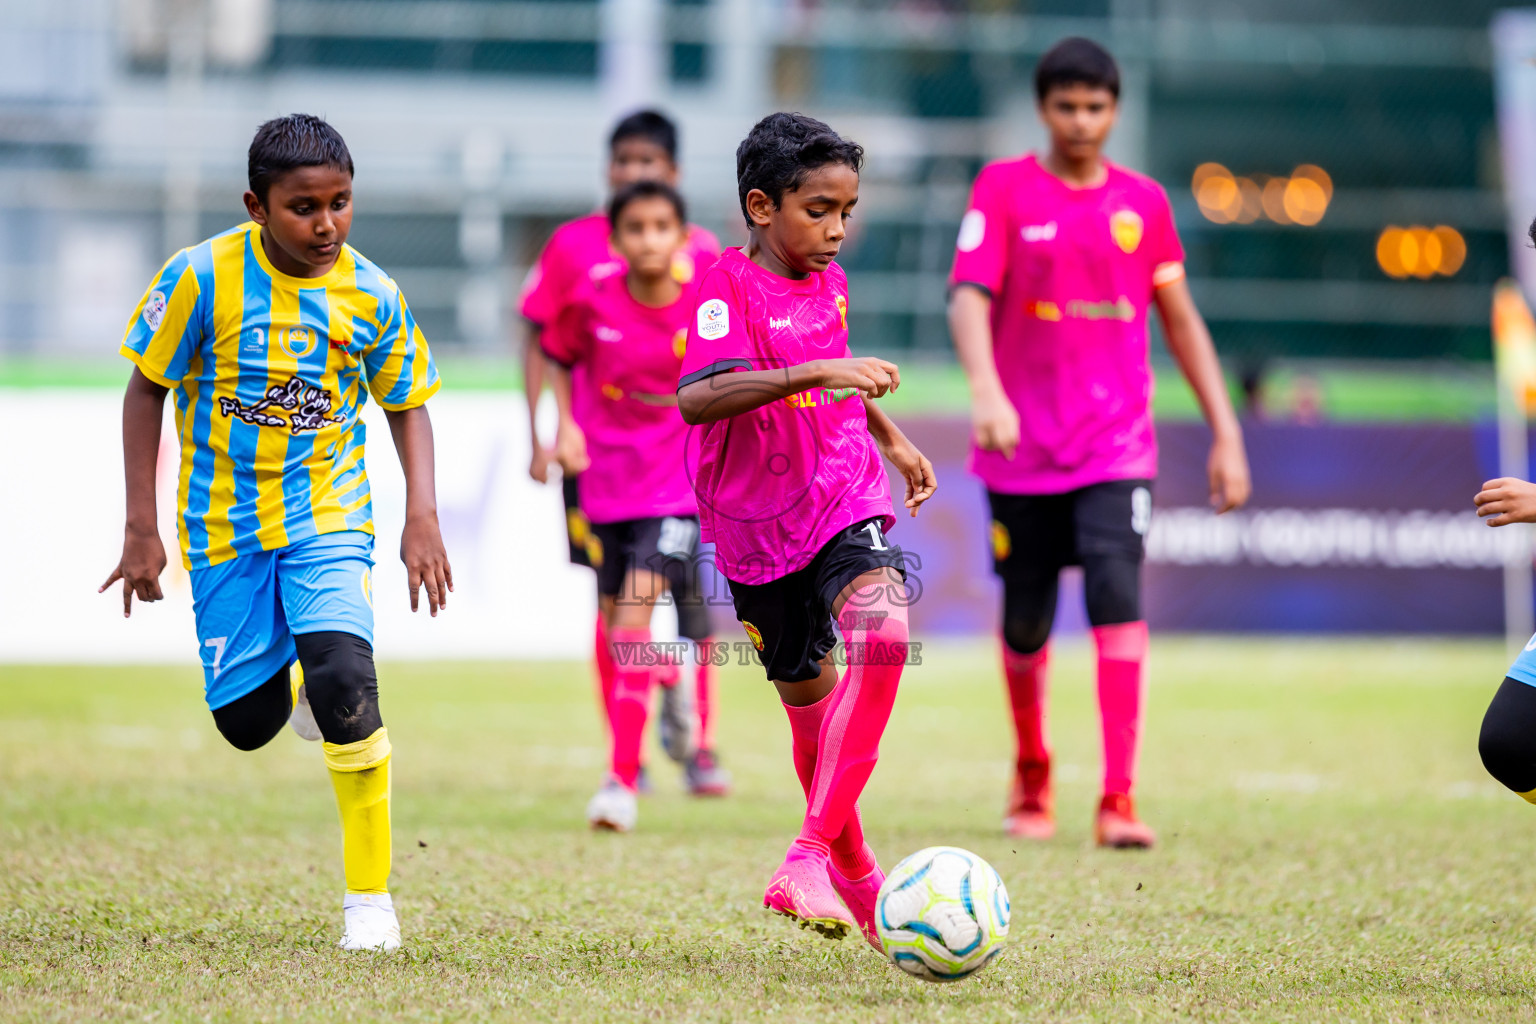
(272, 335)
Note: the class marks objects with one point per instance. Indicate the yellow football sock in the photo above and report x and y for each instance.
(360, 775)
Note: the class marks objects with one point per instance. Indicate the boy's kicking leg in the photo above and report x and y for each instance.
(830, 856)
(1507, 742)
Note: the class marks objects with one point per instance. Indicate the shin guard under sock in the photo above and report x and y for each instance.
(1027, 676)
(360, 776)
(630, 706)
(1122, 675)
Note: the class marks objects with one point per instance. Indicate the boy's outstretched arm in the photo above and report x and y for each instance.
(732, 393)
(570, 439)
(1190, 343)
(911, 463)
(143, 555)
(533, 387)
(421, 542)
(1507, 500)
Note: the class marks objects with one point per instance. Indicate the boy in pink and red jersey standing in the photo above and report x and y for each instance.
(1058, 261)
(792, 491)
(642, 147)
(625, 333)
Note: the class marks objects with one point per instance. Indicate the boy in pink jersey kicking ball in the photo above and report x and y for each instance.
(1057, 263)
(642, 147)
(625, 334)
(792, 492)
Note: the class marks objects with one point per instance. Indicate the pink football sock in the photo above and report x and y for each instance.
(1122, 665)
(704, 692)
(1027, 675)
(850, 855)
(631, 703)
(875, 628)
(602, 661)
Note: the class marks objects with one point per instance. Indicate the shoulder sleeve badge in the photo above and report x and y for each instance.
(714, 320)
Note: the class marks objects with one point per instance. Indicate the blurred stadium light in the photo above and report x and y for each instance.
(478, 124)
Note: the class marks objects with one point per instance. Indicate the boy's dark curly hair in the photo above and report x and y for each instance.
(782, 149)
(284, 144)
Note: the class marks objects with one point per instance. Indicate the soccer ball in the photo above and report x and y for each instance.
(942, 914)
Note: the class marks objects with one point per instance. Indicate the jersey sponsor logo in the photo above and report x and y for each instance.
(714, 320)
(842, 310)
(973, 229)
(1125, 227)
(680, 343)
(154, 310)
(753, 634)
(779, 323)
(1042, 309)
(1039, 232)
(815, 397)
(603, 271)
(1121, 309)
(308, 407)
(606, 333)
(255, 340)
(612, 392)
(682, 267)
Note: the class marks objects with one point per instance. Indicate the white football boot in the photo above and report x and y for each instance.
(303, 718)
(371, 922)
(613, 807)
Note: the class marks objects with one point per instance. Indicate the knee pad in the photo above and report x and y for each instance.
(1029, 609)
(1507, 742)
(1112, 589)
(250, 722)
(341, 684)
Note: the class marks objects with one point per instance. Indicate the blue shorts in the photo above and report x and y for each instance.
(1524, 668)
(249, 608)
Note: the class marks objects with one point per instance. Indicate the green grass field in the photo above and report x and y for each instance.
(1331, 850)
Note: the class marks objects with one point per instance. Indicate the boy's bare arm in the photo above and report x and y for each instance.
(570, 439)
(421, 542)
(1190, 344)
(913, 465)
(732, 393)
(533, 386)
(994, 420)
(1507, 500)
(143, 556)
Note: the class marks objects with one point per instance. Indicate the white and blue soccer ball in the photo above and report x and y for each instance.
(942, 914)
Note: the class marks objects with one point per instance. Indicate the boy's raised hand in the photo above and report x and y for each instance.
(872, 376)
(1507, 500)
(140, 567)
(426, 562)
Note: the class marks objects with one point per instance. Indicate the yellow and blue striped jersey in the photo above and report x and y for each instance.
(269, 373)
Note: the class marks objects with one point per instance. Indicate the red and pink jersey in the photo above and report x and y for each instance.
(776, 483)
(1071, 273)
(580, 252)
(625, 399)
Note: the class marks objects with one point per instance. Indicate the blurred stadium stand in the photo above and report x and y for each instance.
(477, 125)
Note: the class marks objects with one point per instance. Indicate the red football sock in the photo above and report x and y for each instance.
(602, 661)
(631, 702)
(875, 627)
(850, 854)
(1027, 675)
(704, 691)
(1122, 674)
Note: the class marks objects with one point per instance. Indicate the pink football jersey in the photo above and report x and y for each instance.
(1071, 273)
(776, 483)
(624, 399)
(579, 251)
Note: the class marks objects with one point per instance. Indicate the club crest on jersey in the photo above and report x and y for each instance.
(842, 310)
(297, 341)
(1125, 227)
(680, 343)
(714, 320)
(682, 267)
(154, 310)
(753, 634)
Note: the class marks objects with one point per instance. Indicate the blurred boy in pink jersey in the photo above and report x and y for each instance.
(1057, 264)
(792, 492)
(642, 147)
(625, 333)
